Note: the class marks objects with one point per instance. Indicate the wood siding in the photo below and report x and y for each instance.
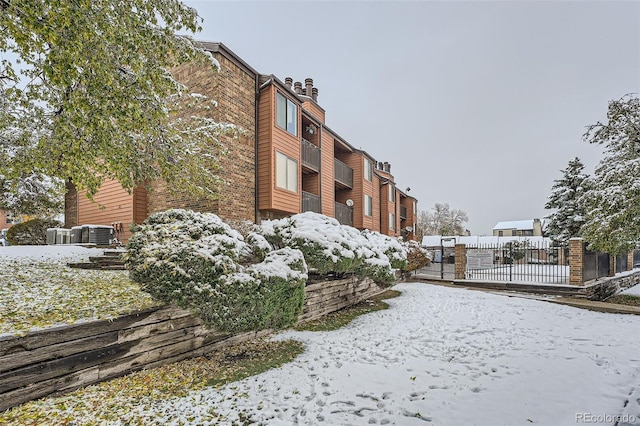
(327, 174)
(111, 204)
(140, 199)
(315, 110)
(376, 204)
(311, 183)
(265, 154)
(355, 161)
(278, 199)
(5, 221)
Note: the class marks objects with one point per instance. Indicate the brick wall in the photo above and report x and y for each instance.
(576, 261)
(234, 90)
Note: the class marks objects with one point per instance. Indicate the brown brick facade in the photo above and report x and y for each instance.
(460, 262)
(233, 88)
(70, 205)
(576, 261)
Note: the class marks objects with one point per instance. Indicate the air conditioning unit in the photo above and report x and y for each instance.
(85, 234)
(51, 235)
(76, 235)
(101, 235)
(63, 236)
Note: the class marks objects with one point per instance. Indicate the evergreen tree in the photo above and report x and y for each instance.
(612, 220)
(566, 192)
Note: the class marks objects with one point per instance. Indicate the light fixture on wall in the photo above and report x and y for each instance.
(311, 129)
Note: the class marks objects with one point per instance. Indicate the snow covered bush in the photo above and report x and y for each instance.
(417, 256)
(31, 232)
(253, 299)
(200, 263)
(330, 247)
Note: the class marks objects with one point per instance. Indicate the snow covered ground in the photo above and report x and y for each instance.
(54, 253)
(441, 356)
(634, 291)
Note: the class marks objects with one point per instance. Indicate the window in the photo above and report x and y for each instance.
(392, 221)
(367, 169)
(392, 193)
(500, 234)
(286, 114)
(286, 172)
(368, 205)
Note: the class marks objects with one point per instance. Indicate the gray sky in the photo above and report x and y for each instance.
(476, 104)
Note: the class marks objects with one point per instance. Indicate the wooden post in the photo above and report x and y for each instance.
(612, 265)
(576, 261)
(461, 262)
(629, 260)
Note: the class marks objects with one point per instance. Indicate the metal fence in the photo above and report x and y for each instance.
(621, 263)
(596, 265)
(518, 261)
(443, 264)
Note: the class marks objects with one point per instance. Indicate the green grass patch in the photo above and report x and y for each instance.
(625, 299)
(254, 359)
(116, 400)
(39, 294)
(338, 319)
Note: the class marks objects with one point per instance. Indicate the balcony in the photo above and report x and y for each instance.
(343, 174)
(403, 212)
(310, 202)
(344, 214)
(310, 156)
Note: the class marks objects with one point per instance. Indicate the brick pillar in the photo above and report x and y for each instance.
(612, 265)
(70, 205)
(461, 261)
(629, 260)
(576, 261)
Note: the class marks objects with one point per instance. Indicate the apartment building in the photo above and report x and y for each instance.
(286, 161)
(520, 228)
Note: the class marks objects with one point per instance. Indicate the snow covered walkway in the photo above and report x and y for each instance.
(446, 356)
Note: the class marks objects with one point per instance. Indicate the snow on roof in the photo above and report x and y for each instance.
(476, 240)
(515, 224)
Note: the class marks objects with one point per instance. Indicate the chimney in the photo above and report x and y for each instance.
(288, 82)
(314, 94)
(297, 87)
(308, 86)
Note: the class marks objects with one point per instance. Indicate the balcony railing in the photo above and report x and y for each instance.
(343, 173)
(310, 155)
(310, 202)
(344, 214)
(403, 212)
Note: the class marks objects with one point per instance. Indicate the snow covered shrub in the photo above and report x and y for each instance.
(200, 263)
(328, 246)
(31, 232)
(383, 256)
(269, 294)
(417, 256)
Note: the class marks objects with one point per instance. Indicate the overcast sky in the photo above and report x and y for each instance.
(476, 104)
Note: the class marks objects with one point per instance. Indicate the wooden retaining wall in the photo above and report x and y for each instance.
(61, 359)
(324, 297)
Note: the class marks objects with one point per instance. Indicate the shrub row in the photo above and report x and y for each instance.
(239, 283)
